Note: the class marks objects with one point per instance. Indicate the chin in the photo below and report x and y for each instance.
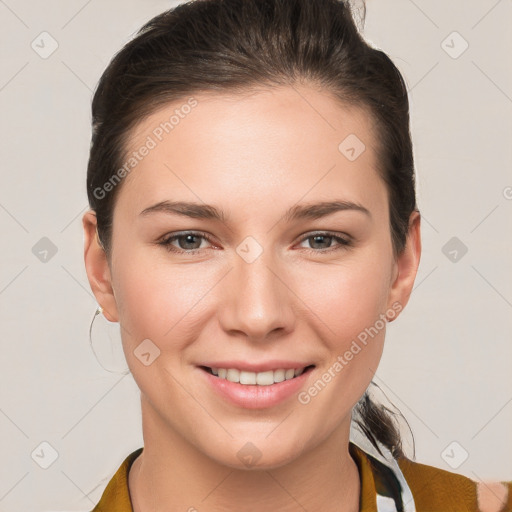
(259, 454)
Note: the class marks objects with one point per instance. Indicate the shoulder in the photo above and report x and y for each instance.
(116, 495)
(437, 489)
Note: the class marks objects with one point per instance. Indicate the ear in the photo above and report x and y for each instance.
(97, 268)
(406, 265)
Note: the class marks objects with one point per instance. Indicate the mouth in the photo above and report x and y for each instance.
(266, 378)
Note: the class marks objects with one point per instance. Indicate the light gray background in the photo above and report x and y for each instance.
(447, 359)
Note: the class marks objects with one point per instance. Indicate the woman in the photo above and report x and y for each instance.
(253, 227)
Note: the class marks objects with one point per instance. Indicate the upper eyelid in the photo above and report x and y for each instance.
(174, 236)
(171, 236)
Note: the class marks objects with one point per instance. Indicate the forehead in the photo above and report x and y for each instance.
(296, 139)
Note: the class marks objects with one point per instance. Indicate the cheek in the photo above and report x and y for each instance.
(347, 306)
(155, 303)
(154, 299)
(346, 298)
(348, 309)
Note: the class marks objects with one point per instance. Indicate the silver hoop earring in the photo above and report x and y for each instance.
(111, 350)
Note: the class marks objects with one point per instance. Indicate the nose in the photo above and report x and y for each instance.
(257, 301)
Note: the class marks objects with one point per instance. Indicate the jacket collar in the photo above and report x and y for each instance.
(383, 481)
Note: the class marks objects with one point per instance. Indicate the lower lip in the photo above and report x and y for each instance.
(253, 396)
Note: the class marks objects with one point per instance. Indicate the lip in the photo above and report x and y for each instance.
(254, 396)
(257, 367)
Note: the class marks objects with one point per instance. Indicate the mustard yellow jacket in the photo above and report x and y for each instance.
(402, 485)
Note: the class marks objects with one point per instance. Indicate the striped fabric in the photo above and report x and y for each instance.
(392, 491)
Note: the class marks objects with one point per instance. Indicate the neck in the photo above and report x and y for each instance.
(173, 475)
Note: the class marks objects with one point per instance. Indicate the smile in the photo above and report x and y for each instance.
(266, 378)
(262, 389)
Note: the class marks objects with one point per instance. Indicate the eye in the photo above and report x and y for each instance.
(324, 239)
(189, 242)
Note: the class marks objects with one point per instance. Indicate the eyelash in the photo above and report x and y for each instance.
(343, 243)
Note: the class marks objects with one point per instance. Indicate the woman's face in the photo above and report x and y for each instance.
(271, 287)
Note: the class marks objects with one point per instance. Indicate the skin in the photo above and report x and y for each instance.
(254, 156)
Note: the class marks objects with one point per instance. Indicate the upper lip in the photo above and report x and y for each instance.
(257, 367)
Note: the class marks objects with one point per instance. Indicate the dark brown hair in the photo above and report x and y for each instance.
(233, 46)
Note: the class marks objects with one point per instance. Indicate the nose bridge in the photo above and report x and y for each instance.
(259, 301)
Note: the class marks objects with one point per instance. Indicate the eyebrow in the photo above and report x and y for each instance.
(308, 211)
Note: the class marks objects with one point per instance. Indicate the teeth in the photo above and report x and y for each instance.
(233, 375)
(279, 375)
(260, 378)
(248, 377)
(264, 378)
